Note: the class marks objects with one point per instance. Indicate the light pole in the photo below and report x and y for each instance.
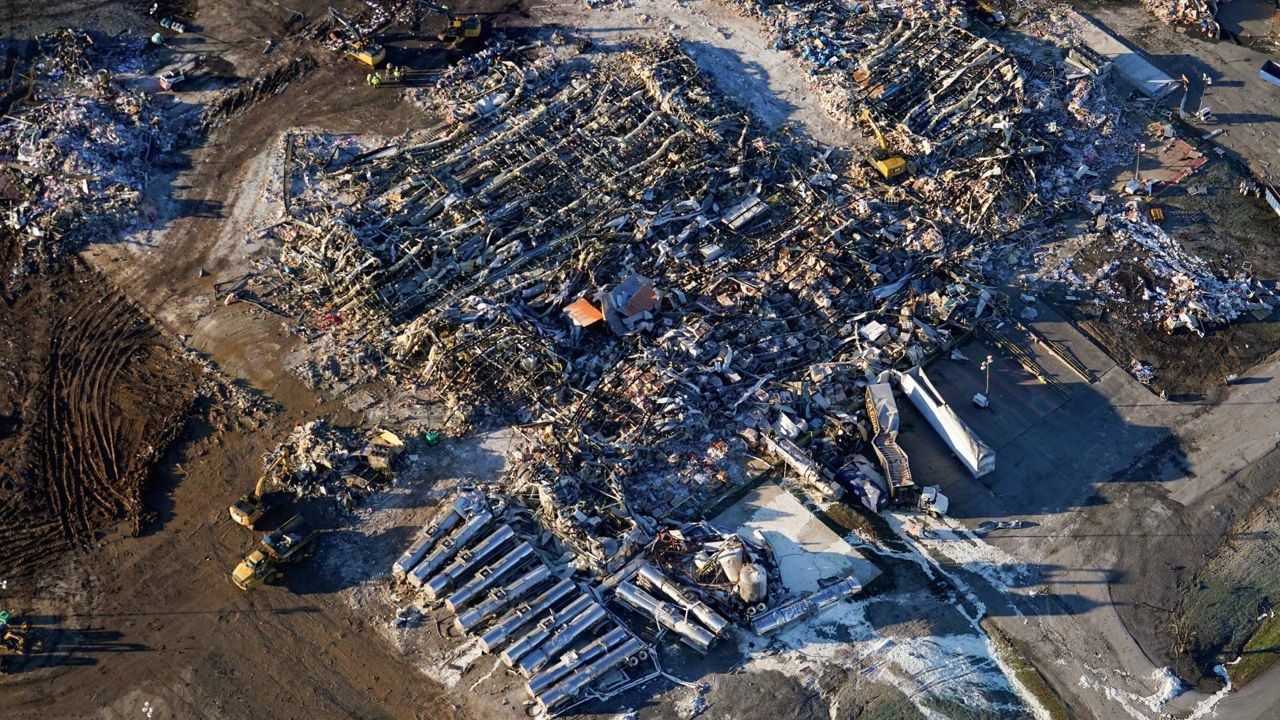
(982, 400)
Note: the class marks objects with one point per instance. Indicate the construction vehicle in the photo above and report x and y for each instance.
(14, 640)
(253, 505)
(351, 40)
(174, 75)
(992, 15)
(889, 166)
(279, 546)
(458, 28)
(1156, 215)
(382, 450)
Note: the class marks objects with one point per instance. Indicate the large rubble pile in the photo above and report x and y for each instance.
(996, 142)
(79, 147)
(611, 250)
(1131, 261)
(1004, 144)
(1197, 13)
(319, 459)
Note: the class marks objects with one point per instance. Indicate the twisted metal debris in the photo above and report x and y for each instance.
(611, 250)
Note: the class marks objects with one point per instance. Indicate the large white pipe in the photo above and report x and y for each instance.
(573, 660)
(661, 582)
(466, 562)
(666, 614)
(487, 576)
(537, 634)
(561, 640)
(525, 614)
(562, 693)
(427, 539)
(502, 597)
(779, 617)
(447, 548)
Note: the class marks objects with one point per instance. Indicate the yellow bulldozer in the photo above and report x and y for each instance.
(887, 164)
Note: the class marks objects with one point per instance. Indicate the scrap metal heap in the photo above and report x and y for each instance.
(1198, 13)
(610, 249)
(1003, 144)
(503, 581)
(77, 147)
(995, 140)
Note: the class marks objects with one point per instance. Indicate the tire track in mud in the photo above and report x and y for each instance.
(108, 395)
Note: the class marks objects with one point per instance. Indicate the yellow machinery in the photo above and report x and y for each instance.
(890, 166)
(1156, 215)
(458, 28)
(353, 41)
(369, 53)
(14, 641)
(254, 569)
(382, 450)
(252, 506)
(992, 15)
(288, 542)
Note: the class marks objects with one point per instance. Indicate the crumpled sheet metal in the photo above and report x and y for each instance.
(745, 270)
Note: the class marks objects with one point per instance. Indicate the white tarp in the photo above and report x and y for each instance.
(967, 446)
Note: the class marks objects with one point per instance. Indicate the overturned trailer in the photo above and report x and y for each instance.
(974, 454)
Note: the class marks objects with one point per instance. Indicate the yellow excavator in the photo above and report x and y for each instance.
(890, 166)
(458, 28)
(250, 508)
(353, 42)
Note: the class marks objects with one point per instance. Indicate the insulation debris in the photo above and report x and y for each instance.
(77, 150)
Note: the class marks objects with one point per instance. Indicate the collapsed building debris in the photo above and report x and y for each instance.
(1201, 14)
(78, 147)
(725, 291)
(991, 139)
(1133, 261)
(321, 459)
(669, 301)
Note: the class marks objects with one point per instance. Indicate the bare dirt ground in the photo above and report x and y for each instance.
(151, 625)
(91, 394)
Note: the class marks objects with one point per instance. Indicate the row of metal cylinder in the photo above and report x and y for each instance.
(690, 618)
(562, 639)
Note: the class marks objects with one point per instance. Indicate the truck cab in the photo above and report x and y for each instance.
(255, 569)
(278, 546)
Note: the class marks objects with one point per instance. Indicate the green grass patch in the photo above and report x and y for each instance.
(1025, 673)
(1260, 652)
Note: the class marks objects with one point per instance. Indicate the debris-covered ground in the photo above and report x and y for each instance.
(674, 296)
(84, 140)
